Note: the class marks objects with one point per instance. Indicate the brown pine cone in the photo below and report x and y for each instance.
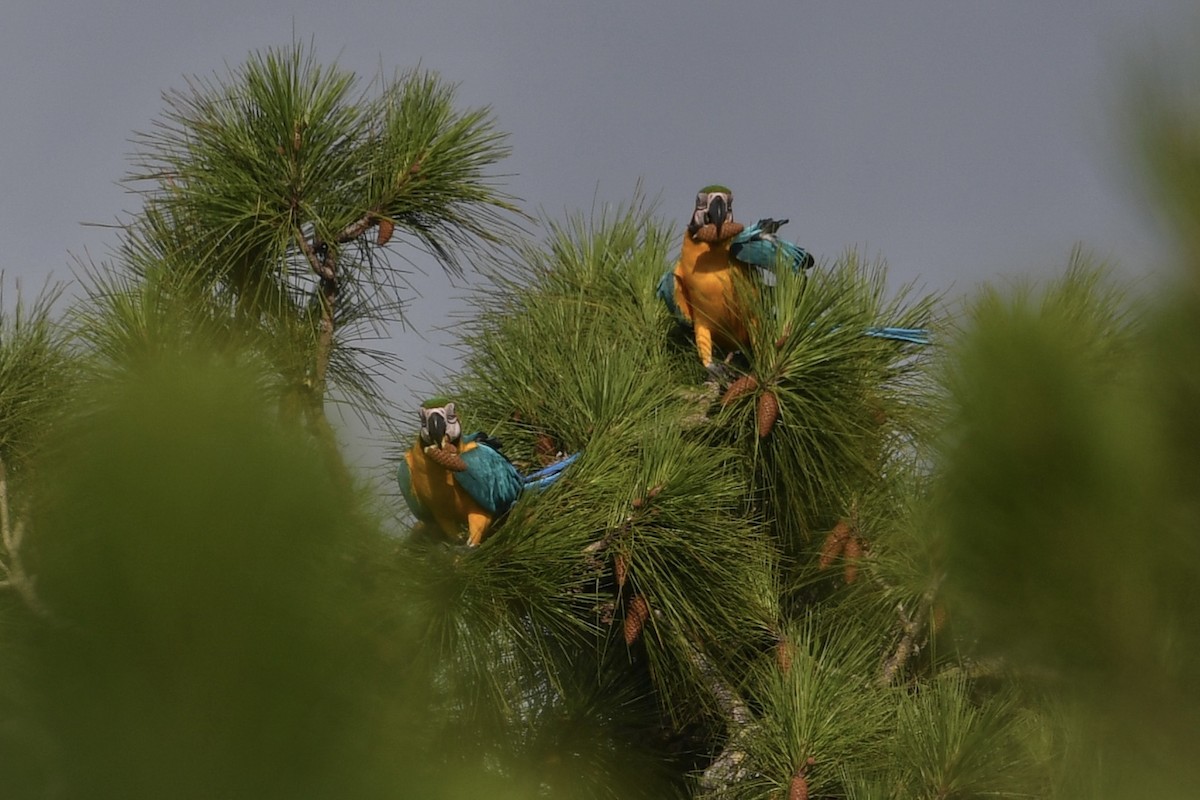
(940, 616)
(853, 554)
(545, 448)
(708, 233)
(384, 235)
(799, 787)
(635, 618)
(783, 656)
(834, 543)
(768, 413)
(743, 385)
(447, 457)
(620, 569)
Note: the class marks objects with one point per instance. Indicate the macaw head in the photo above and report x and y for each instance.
(712, 218)
(439, 424)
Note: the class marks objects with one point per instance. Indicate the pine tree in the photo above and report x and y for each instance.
(863, 569)
(770, 597)
(278, 200)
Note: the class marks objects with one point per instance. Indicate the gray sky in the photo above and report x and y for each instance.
(962, 140)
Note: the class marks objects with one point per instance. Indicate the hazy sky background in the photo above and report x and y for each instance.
(961, 140)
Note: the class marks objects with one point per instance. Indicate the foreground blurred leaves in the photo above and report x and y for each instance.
(211, 631)
(1072, 501)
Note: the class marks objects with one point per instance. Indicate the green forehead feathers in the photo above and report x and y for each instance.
(436, 402)
(716, 187)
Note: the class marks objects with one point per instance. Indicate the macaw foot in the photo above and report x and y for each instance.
(477, 526)
(718, 373)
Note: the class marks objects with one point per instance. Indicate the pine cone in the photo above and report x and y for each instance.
(447, 457)
(708, 233)
(853, 554)
(783, 656)
(940, 617)
(799, 787)
(384, 235)
(620, 569)
(635, 618)
(743, 385)
(834, 543)
(768, 413)
(545, 448)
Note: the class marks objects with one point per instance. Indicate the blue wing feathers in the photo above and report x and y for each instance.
(490, 478)
(758, 246)
(666, 293)
(493, 481)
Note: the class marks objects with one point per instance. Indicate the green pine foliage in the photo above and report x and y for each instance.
(885, 570)
(279, 199)
(756, 655)
(38, 372)
(1071, 517)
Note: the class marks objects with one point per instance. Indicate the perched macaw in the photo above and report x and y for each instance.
(698, 290)
(452, 481)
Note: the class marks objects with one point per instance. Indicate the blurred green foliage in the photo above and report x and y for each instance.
(213, 629)
(1071, 493)
(216, 612)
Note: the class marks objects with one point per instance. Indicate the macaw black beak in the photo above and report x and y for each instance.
(436, 427)
(717, 212)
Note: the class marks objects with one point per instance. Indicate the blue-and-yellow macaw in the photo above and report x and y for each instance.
(698, 290)
(451, 481)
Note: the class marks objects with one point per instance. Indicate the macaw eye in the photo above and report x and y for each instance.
(702, 200)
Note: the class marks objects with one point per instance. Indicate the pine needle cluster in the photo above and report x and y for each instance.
(38, 373)
(279, 200)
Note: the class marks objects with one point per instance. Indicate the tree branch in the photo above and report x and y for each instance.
(912, 637)
(357, 228)
(729, 767)
(11, 535)
(323, 260)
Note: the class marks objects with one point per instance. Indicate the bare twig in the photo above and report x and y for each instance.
(912, 638)
(357, 228)
(12, 534)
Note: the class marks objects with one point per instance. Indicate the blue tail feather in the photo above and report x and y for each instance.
(910, 335)
(548, 475)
